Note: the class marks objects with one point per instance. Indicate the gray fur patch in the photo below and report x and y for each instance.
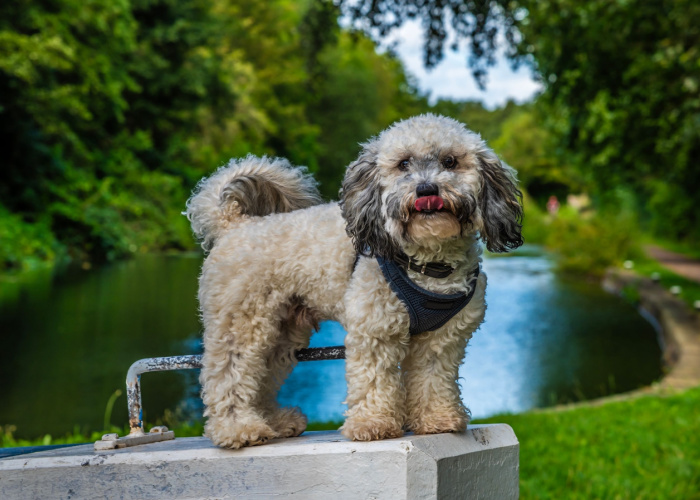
(361, 207)
(501, 204)
(249, 186)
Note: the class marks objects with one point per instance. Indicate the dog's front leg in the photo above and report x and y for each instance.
(375, 392)
(376, 343)
(431, 370)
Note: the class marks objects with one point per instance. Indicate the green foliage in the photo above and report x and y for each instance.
(622, 97)
(525, 144)
(361, 93)
(488, 123)
(536, 223)
(24, 245)
(592, 243)
(96, 101)
(113, 111)
(645, 448)
(631, 294)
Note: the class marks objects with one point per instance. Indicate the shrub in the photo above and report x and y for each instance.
(24, 245)
(590, 244)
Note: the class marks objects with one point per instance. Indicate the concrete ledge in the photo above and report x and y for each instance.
(481, 463)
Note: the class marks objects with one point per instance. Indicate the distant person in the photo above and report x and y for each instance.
(553, 205)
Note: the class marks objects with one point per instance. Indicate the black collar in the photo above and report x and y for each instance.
(432, 269)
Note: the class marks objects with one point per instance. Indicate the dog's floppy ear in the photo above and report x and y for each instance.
(361, 206)
(500, 204)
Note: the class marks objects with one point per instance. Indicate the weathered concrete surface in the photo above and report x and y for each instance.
(480, 464)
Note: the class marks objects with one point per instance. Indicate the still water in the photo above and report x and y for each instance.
(67, 339)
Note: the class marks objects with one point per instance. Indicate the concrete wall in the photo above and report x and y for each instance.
(481, 464)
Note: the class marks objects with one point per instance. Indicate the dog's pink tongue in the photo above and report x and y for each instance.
(429, 203)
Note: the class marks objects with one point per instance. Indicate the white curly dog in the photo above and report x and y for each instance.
(417, 200)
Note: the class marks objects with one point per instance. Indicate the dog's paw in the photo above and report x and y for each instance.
(438, 422)
(236, 435)
(288, 422)
(363, 429)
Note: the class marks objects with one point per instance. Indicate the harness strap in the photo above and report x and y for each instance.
(427, 310)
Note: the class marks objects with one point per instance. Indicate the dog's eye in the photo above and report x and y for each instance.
(403, 165)
(449, 162)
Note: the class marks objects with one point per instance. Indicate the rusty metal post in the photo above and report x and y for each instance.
(133, 382)
(161, 433)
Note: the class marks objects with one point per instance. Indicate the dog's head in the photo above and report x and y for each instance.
(427, 180)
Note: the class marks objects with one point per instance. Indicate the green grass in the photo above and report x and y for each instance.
(638, 449)
(690, 290)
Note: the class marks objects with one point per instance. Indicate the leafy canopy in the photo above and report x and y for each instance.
(622, 80)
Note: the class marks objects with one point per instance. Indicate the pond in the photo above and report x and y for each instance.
(69, 337)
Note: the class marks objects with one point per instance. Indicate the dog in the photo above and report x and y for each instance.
(413, 206)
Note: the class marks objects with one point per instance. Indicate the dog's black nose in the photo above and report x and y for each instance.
(426, 189)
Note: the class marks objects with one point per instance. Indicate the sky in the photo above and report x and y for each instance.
(452, 77)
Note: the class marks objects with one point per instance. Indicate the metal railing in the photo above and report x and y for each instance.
(189, 362)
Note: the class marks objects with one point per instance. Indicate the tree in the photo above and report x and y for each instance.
(525, 144)
(622, 80)
(362, 92)
(112, 111)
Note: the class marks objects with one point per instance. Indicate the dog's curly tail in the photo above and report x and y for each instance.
(249, 186)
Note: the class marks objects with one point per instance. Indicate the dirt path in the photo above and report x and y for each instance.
(680, 264)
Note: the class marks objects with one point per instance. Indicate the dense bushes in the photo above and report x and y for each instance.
(24, 245)
(591, 244)
(112, 111)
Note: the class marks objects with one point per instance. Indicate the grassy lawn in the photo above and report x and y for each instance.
(638, 449)
(690, 290)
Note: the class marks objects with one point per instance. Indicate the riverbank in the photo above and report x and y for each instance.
(643, 444)
(105, 319)
(679, 326)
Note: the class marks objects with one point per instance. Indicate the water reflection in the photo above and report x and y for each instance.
(549, 339)
(67, 341)
(546, 339)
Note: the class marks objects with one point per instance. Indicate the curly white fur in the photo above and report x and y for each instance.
(279, 262)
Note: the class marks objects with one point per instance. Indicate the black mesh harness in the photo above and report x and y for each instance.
(427, 310)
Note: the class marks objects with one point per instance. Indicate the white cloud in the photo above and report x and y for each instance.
(452, 78)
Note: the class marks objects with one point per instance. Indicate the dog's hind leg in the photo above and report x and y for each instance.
(431, 369)
(236, 348)
(295, 334)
